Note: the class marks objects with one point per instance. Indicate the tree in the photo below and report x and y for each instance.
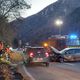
(11, 7)
(7, 9)
(15, 43)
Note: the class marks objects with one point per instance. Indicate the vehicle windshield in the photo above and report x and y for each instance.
(39, 50)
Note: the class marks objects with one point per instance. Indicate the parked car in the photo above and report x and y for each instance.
(70, 54)
(37, 55)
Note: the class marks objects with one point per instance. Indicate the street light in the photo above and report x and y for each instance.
(58, 23)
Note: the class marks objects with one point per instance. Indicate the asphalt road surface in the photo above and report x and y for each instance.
(56, 71)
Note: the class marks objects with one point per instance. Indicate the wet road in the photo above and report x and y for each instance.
(56, 71)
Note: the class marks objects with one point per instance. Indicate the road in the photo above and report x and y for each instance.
(56, 71)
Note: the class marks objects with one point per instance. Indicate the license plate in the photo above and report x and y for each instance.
(38, 59)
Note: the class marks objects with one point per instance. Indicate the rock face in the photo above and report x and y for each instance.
(40, 26)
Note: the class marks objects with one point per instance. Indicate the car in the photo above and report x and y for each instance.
(54, 54)
(70, 54)
(37, 55)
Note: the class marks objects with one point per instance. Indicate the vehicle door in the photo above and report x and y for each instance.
(77, 54)
(69, 55)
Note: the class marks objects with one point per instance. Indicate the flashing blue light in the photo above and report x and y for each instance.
(73, 36)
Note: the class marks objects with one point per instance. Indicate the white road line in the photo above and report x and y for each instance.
(32, 78)
(70, 64)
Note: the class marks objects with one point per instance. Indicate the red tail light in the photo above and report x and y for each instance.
(47, 55)
(31, 54)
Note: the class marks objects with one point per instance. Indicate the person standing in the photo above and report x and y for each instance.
(1, 48)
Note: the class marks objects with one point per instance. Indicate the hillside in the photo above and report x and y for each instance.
(41, 25)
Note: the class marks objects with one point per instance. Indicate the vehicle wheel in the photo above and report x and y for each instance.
(46, 64)
(52, 60)
(61, 60)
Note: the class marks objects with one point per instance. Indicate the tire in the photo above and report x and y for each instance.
(61, 60)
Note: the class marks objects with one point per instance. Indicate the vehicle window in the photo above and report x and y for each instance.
(39, 50)
(36, 50)
(71, 51)
(77, 50)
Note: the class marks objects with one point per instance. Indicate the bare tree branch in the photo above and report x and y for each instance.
(8, 6)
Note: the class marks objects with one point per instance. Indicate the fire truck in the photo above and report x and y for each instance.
(61, 42)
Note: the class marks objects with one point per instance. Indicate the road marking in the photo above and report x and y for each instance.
(32, 78)
(70, 64)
